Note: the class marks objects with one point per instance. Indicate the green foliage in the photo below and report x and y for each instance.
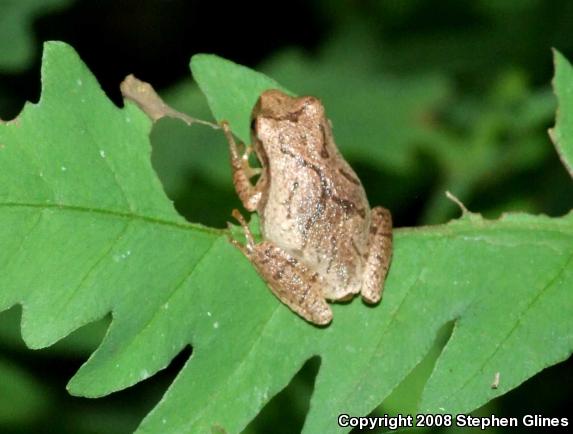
(455, 387)
(562, 134)
(493, 139)
(86, 229)
(413, 127)
(77, 188)
(252, 84)
(27, 398)
(16, 38)
(379, 119)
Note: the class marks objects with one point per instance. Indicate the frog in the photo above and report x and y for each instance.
(321, 241)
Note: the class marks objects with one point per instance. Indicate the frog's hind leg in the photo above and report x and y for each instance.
(379, 254)
(289, 280)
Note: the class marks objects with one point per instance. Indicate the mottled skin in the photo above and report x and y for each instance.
(321, 240)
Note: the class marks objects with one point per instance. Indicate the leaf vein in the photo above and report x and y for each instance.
(93, 267)
(93, 142)
(24, 239)
(184, 225)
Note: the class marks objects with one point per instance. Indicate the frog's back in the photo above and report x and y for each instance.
(314, 207)
(338, 245)
(313, 219)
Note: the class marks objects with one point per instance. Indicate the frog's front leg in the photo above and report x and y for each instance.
(379, 254)
(249, 194)
(289, 279)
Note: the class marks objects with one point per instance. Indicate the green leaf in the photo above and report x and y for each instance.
(16, 33)
(83, 218)
(229, 108)
(179, 151)
(79, 344)
(86, 229)
(562, 134)
(505, 282)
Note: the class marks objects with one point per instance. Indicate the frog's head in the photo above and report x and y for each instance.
(277, 105)
(280, 119)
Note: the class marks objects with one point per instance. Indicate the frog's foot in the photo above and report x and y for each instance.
(240, 158)
(249, 247)
(379, 254)
(249, 194)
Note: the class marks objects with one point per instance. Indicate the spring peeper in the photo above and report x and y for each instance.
(321, 240)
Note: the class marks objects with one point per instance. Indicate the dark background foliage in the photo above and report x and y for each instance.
(486, 142)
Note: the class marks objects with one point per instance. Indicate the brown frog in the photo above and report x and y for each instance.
(321, 240)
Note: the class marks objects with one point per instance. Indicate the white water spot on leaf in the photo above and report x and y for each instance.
(79, 82)
(127, 119)
(121, 256)
(262, 395)
(144, 374)
(63, 168)
(166, 305)
(102, 153)
(216, 325)
(209, 314)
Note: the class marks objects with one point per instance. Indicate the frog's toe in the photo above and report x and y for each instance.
(322, 317)
(372, 297)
